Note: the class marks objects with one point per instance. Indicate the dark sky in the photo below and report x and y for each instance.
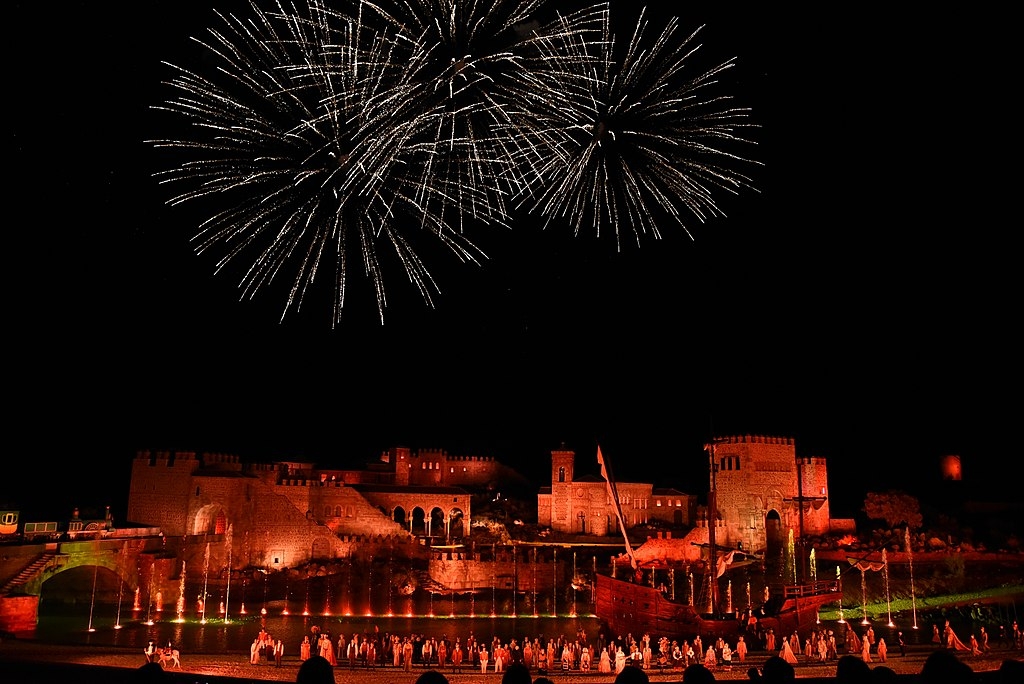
(861, 302)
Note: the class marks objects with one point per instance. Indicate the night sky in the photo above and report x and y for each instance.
(861, 302)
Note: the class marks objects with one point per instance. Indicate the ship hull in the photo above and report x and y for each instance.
(626, 607)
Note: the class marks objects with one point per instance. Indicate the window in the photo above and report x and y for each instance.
(561, 474)
(327, 511)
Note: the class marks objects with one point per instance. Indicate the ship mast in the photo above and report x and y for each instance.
(712, 523)
(613, 494)
(801, 561)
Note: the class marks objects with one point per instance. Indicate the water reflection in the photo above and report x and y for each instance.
(216, 636)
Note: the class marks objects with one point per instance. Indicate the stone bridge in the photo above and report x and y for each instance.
(108, 567)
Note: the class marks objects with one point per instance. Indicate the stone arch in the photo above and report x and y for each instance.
(210, 519)
(775, 544)
(418, 521)
(456, 523)
(399, 516)
(437, 526)
(105, 584)
(113, 570)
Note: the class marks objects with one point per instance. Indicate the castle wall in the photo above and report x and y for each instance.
(274, 524)
(463, 572)
(159, 477)
(815, 487)
(544, 509)
(675, 508)
(471, 470)
(758, 474)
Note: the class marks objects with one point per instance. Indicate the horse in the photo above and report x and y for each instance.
(170, 656)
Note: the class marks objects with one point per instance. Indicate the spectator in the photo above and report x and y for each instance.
(775, 669)
(944, 667)
(697, 674)
(884, 674)
(516, 673)
(632, 675)
(851, 669)
(432, 677)
(316, 670)
(149, 673)
(1011, 672)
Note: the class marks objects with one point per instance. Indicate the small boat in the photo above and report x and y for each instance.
(630, 600)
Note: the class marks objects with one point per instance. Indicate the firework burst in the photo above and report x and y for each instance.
(643, 143)
(324, 138)
(299, 131)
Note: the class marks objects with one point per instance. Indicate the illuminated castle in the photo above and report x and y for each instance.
(282, 514)
(761, 488)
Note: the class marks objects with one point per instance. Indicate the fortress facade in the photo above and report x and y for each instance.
(762, 485)
(762, 490)
(283, 514)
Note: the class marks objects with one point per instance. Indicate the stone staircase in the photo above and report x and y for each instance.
(427, 582)
(27, 573)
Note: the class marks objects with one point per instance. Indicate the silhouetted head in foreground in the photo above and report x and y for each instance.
(516, 673)
(775, 669)
(851, 669)
(433, 677)
(632, 675)
(884, 675)
(150, 672)
(944, 667)
(315, 670)
(697, 674)
(1011, 671)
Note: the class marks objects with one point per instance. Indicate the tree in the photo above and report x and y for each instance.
(896, 508)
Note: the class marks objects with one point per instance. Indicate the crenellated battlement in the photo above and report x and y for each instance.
(443, 455)
(754, 439)
(220, 459)
(307, 482)
(165, 456)
(257, 467)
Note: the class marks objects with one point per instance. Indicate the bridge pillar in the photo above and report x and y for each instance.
(18, 614)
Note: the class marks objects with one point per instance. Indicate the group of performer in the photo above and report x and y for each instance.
(265, 649)
(978, 644)
(607, 656)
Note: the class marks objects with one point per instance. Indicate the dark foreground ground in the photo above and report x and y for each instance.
(28, 662)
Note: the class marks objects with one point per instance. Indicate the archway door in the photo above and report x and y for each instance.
(775, 548)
